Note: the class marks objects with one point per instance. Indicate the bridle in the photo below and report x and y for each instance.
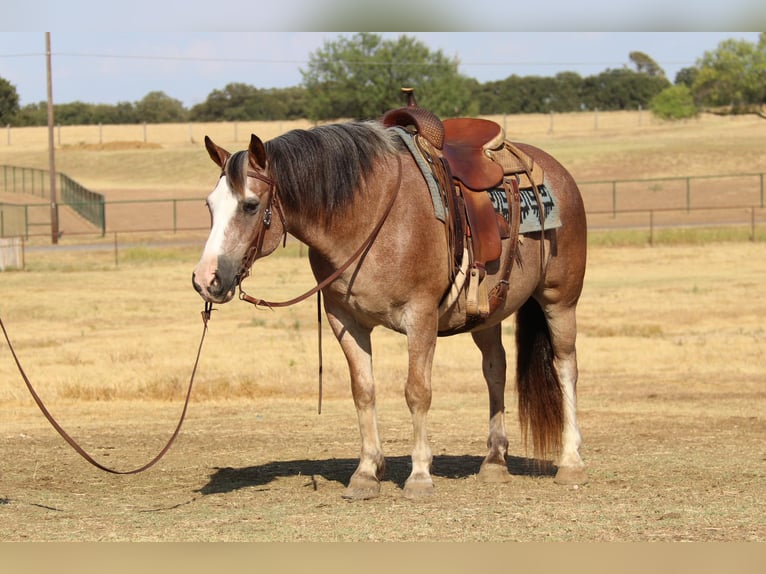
(269, 201)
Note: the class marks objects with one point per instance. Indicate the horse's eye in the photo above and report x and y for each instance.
(250, 207)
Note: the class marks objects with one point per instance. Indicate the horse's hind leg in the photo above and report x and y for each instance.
(494, 468)
(563, 329)
(355, 342)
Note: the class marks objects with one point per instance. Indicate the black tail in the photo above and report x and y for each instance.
(541, 402)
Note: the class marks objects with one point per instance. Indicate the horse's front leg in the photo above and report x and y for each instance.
(421, 342)
(355, 342)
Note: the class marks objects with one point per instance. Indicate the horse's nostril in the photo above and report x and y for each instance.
(216, 282)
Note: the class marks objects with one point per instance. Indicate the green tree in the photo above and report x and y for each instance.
(646, 65)
(158, 108)
(686, 76)
(9, 102)
(621, 89)
(361, 77)
(674, 103)
(733, 75)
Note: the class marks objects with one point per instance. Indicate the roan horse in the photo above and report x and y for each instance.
(353, 192)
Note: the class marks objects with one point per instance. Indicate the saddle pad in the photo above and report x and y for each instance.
(530, 210)
(433, 188)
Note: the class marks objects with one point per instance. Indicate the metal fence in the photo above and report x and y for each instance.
(15, 217)
(649, 204)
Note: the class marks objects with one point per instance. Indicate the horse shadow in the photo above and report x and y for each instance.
(339, 470)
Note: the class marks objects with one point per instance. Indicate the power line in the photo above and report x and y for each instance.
(306, 61)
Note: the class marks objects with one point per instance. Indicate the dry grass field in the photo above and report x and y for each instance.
(672, 389)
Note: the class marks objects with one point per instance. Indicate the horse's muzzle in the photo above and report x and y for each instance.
(215, 291)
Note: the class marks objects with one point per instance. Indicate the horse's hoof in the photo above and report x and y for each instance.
(418, 488)
(569, 475)
(494, 473)
(361, 488)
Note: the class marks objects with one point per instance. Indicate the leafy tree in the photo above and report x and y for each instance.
(238, 101)
(686, 76)
(734, 74)
(361, 77)
(674, 103)
(9, 102)
(646, 65)
(158, 108)
(621, 89)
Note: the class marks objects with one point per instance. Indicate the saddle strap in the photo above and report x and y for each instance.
(500, 291)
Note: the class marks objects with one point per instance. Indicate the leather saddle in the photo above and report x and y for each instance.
(477, 158)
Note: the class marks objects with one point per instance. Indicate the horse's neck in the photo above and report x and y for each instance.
(336, 238)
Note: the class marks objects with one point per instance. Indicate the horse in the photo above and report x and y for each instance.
(355, 196)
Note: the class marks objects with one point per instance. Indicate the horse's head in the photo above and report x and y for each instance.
(242, 227)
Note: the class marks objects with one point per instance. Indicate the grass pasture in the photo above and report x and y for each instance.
(672, 387)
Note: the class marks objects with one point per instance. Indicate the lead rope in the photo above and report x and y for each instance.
(73, 443)
(319, 341)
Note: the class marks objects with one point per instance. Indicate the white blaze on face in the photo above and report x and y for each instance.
(223, 206)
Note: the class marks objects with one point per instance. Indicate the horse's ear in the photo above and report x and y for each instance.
(257, 152)
(217, 154)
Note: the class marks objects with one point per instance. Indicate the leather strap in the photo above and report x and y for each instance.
(74, 444)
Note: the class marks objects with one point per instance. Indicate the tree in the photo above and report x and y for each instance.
(361, 77)
(686, 76)
(621, 89)
(674, 103)
(646, 65)
(733, 75)
(9, 102)
(158, 108)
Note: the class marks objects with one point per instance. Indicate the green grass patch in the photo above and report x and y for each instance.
(674, 236)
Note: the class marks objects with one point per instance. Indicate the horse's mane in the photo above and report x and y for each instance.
(317, 171)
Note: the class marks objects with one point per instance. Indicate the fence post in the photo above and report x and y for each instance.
(762, 190)
(688, 194)
(752, 224)
(102, 205)
(144, 132)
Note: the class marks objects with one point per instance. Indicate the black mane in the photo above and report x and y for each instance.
(316, 171)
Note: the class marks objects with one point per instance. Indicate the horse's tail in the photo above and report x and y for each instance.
(540, 398)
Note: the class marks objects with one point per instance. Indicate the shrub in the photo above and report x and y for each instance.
(674, 103)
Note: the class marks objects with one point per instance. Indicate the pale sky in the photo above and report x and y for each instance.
(186, 50)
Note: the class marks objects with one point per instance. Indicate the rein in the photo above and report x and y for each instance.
(74, 444)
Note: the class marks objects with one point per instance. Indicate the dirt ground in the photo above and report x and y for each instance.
(671, 403)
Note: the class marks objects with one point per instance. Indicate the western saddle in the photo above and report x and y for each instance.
(468, 157)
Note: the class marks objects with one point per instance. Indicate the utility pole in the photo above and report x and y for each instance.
(51, 146)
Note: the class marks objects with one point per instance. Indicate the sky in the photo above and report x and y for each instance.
(110, 52)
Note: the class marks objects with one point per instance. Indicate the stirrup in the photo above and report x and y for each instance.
(477, 298)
